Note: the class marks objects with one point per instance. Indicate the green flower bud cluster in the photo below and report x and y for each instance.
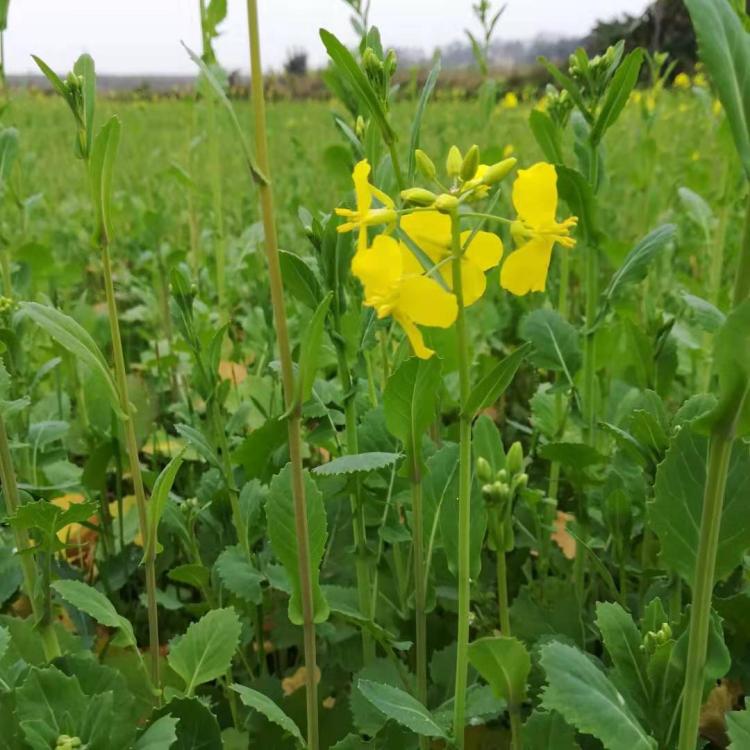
(654, 639)
(500, 488)
(379, 71)
(6, 304)
(66, 742)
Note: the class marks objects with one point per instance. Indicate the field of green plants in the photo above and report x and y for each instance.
(393, 421)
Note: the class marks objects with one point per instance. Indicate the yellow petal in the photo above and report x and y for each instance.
(424, 301)
(525, 270)
(378, 267)
(431, 230)
(415, 337)
(473, 281)
(485, 250)
(535, 194)
(361, 175)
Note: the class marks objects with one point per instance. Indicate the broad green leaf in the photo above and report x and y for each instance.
(158, 500)
(675, 512)
(310, 349)
(282, 532)
(738, 728)
(192, 574)
(272, 711)
(205, 651)
(239, 575)
(348, 67)
(505, 664)
(401, 707)
(489, 389)
(555, 341)
(197, 728)
(706, 315)
(73, 337)
(547, 135)
(576, 191)
(439, 489)
(618, 92)
(547, 730)
(725, 49)
(160, 734)
(300, 279)
(49, 519)
(359, 463)
(8, 154)
(697, 208)
(410, 399)
(102, 163)
(92, 602)
(416, 125)
(581, 692)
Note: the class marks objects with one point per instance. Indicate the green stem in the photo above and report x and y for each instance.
(287, 376)
(420, 578)
(464, 492)
(502, 592)
(131, 445)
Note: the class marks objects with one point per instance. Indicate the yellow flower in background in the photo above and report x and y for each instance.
(509, 101)
(365, 215)
(431, 231)
(700, 80)
(681, 81)
(536, 230)
(716, 108)
(411, 299)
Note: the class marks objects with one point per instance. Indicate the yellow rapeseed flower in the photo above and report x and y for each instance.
(682, 81)
(365, 215)
(536, 230)
(431, 231)
(509, 101)
(410, 298)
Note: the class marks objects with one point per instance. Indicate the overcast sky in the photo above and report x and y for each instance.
(143, 36)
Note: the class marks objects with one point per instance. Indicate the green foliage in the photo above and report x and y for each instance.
(505, 664)
(263, 704)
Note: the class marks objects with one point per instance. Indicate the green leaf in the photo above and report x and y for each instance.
(92, 602)
(675, 512)
(272, 711)
(567, 83)
(348, 67)
(576, 191)
(239, 575)
(199, 442)
(410, 399)
(8, 154)
(636, 264)
(192, 574)
(488, 443)
(310, 349)
(54, 79)
(489, 389)
(84, 68)
(49, 519)
(359, 463)
(578, 690)
(101, 167)
(547, 730)
(197, 728)
(725, 49)
(282, 531)
(205, 651)
(73, 337)
(618, 92)
(555, 341)
(416, 124)
(223, 99)
(547, 135)
(697, 208)
(300, 279)
(160, 735)
(158, 500)
(505, 664)
(706, 315)
(738, 728)
(400, 706)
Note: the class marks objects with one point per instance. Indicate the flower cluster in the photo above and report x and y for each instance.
(407, 271)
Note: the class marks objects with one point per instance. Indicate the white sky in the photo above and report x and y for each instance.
(143, 36)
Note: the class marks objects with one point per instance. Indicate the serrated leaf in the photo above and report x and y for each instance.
(206, 649)
(581, 692)
(401, 707)
(272, 711)
(675, 512)
(358, 463)
(505, 664)
(239, 575)
(282, 533)
(547, 730)
(489, 389)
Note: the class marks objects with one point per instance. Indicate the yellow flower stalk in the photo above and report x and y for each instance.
(409, 297)
(365, 215)
(536, 230)
(431, 231)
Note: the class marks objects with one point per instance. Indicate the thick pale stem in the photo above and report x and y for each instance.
(287, 375)
(464, 493)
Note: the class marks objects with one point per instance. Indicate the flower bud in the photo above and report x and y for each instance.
(470, 163)
(391, 62)
(499, 171)
(424, 164)
(514, 460)
(484, 470)
(454, 162)
(446, 203)
(418, 196)
(359, 127)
